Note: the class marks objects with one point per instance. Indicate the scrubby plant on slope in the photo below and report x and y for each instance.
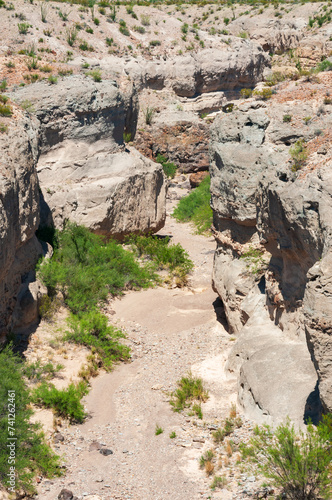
(299, 463)
(30, 454)
(196, 207)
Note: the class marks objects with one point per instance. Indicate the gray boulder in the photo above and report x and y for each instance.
(86, 173)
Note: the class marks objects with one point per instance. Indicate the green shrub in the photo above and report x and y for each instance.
(86, 270)
(263, 94)
(89, 30)
(287, 118)
(90, 328)
(145, 20)
(95, 74)
(159, 430)
(162, 254)
(139, 29)
(66, 402)
(230, 425)
(218, 482)
(299, 154)
(52, 79)
(23, 28)
(189, 389)
(154, 43)
(33, 456)
(71, 35)
(196, 207)
(5, 110)
(246, 93)
(3, 128)
(168, 167)
(325, 65)
(172, 435)
(96, 21)
(298, 463)
(149, 112)
(85, 46)
(36, 371)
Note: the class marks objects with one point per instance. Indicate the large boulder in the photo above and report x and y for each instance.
(86, 173)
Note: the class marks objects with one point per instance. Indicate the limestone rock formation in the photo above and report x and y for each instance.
(19, 219)
(272, 266)
(209, 70)
(86, 173)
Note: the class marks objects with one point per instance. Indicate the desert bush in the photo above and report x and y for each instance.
(52, 79)
(23, 28)
(91, 329)
(263, 94)
(287, 118)
(86, 270)
(196, 207)
(5, 110)
(325, 65)
(299, 154)
(246, 93)
(168, 167)
(65, 402)
(299, 463)
(190, 389)
(145, 20)
(149, 112)
(139, 29)
(36, 371)
(33, 455)
(71, 35)
(123, 28)
(95, 74)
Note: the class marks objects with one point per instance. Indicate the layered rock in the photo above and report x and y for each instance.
(209, 70)
(272, 227)
(86, 173)
(19, 219)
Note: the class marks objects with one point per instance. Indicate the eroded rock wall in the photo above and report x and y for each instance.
(271, 269)
(86, 172)
(19, 219)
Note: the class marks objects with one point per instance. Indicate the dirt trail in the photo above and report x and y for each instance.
(170, 331)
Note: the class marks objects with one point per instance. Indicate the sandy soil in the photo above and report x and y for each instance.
(170, 332)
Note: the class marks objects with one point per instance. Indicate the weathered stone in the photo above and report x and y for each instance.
(19, 217)
(85, 172)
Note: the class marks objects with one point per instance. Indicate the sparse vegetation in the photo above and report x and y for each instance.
(287, 118)
(172, 435)
(168, 167)
(159, 430)
(65, 402)
(23, 28)
(299, 463)
(32, 454)
(196, 207)
(190, 390)
(95, 74)
(149, 112)
(71, 34)
(299, 155)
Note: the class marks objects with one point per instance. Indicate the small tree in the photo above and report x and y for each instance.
(298, 463)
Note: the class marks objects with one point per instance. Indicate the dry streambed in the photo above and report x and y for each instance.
(116, 454)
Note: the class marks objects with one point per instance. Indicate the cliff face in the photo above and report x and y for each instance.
(86, 173)
(272, 266)
(19, 219)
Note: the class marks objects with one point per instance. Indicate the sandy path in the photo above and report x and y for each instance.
(170, 331)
